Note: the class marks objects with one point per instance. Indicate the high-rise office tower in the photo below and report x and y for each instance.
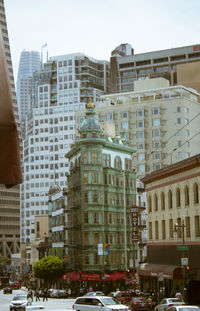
(64, 85)
(9, 198)
(28, 64)
(181, 66)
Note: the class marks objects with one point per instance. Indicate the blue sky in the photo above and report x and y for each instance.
(96, 27)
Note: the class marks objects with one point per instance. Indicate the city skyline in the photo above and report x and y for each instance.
(97, 27)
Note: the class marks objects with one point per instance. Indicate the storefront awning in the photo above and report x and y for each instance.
(90, 277)
(160, 271)
(115, 276)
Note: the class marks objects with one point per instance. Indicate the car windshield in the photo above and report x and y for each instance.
(19, 298)
(175, 300)
(189, 309)
(109, 301)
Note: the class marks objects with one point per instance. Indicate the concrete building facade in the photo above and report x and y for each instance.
(173, 203)
(178, 65)
(159, 120)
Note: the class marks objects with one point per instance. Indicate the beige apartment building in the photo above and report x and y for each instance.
(9, 198)
(173, 217)
(179, 65)
(160, 121)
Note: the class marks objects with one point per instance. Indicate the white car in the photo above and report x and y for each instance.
(184, 308)
(34, 308)
(169, 302)
(19, 302)
(98, 303)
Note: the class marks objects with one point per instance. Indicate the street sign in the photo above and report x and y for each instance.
(182, 247)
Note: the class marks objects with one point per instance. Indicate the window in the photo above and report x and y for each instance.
(140, 123)
(179, 121)
(156, 122)
(86, 218)
(156, 110)
(94, 157)
(186, 110)
(162, 201)
(178, 109)
(106, 160)
(85, 160)
(95, 178)
(186, 121)
(149, 204)
(140, 113)
(141, 167)
(109, 116)
(156, 144)
(95, 197)
(141, 156)
(140, 145)
(187, 144)
(163, 230)
(178, 198)
(197, 226)
(186, 132)
(187, 223)
(157, 155)
(156, 133)
(85, 177)
(124, 114)
(125, 125)
(186, 193)
(150, 231)
(155, 202)
(85, 197)
(196, 193)
(96, 218)
(170, 204)
(171, 229)
(156, 230)
(140, 134)
(118, 162)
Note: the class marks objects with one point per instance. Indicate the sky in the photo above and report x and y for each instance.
(96, 27)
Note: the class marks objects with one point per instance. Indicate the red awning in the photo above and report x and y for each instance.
(115, 276)
(73, 276)
(160, 271)
(90, 277)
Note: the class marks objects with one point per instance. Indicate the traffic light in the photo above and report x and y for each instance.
(188, 268)
(80, 275)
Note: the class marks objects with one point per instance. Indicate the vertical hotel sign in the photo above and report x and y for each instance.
(134, 216)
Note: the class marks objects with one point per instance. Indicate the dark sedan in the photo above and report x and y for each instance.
(140, 304)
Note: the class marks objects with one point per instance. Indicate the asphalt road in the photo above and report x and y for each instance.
(52, 304)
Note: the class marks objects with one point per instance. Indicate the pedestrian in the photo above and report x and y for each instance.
(29, 298)
(37, 296)
(69, 292)
(45, 294)
(178, 295)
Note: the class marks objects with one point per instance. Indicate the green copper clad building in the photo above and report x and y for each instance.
(101, 194)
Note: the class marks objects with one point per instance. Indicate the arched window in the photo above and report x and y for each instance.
(149, 204)
(178, 198)
(170, 204)
(162, 201)
(155, 202)
(196, 193)
(186, 193)
(118, 162)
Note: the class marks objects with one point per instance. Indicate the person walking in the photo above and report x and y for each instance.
(37, 296)
(45, 294)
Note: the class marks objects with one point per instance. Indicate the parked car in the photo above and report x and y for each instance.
(19, 302)
(54, 293)
(125, 296)
(7, 290)
(34, 308)
(98, 293)
(62, 293)
(169, 302)
(96, 303)
(184, 308)
(139, 303)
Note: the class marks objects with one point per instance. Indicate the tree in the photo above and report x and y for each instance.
(49, 268)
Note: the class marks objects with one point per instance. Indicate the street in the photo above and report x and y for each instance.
(52, 303)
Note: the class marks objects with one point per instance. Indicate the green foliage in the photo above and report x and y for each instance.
(49, 268)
